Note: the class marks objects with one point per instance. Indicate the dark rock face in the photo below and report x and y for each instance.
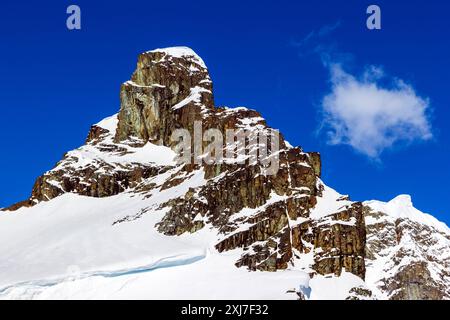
(414, 282)
(273, 235)
(149, 101)
(342, 244)
(99, 185)
(267, 218)
(95, 134)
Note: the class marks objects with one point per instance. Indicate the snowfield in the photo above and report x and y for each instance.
(72, 247)
(77, 247)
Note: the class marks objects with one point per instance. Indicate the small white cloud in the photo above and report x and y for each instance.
(370, 117)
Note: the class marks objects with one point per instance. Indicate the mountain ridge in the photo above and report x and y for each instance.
(286, 222)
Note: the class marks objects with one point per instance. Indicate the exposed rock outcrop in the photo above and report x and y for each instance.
(168, 90)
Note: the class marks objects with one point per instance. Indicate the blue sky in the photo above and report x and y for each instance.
(55, 83)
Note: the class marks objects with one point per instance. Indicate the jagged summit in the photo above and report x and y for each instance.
(169, 88)
(122, 203)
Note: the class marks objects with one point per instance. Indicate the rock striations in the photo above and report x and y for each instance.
(287, 220)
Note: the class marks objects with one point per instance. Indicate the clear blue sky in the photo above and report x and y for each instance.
(55, 83)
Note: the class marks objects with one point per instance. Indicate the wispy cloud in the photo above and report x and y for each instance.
(371, 117)
(312, 42)
(370, 111)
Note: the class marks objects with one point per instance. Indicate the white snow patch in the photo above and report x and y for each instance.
(194, 96)
(331, 287)
(117, 153)
(330, 202)
(179, 52)
(109, 123)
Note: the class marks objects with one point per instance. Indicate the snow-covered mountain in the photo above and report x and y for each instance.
(121, 217)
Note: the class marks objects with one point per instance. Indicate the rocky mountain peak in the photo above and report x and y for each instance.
(268, 222)
(170, 88)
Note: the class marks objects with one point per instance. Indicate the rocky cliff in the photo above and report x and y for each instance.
(287, 220)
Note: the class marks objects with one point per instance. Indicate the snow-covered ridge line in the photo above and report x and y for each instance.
(401, 207)
(179, 52)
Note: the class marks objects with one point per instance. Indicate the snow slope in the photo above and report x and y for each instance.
(89, 154)
(77, 247)
(83, 231)
(71, 248)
